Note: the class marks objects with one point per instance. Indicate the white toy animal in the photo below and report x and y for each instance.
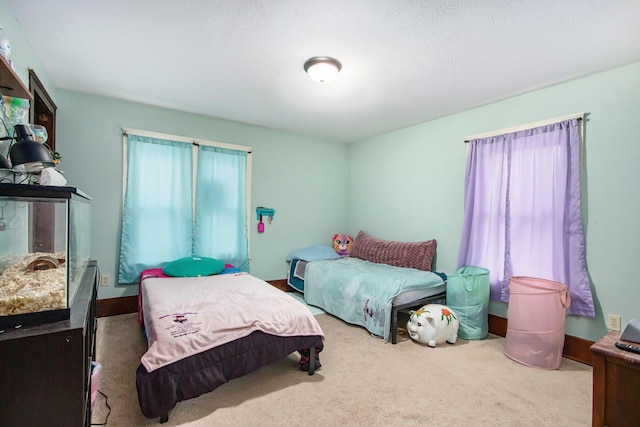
(433, 324)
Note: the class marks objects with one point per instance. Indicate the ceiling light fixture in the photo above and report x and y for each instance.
(322, 68)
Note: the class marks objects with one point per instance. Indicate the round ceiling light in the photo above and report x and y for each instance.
(322, 68)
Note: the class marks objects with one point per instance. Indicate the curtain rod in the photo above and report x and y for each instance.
(531, 125)
(196, 141)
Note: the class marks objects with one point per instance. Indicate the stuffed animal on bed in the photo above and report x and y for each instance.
(342, 244)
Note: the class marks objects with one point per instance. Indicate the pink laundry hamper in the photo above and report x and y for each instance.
(535, 321)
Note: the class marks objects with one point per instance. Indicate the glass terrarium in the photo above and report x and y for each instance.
(44, 250)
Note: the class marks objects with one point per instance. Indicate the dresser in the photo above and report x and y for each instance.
(45, 370)
(616, 384)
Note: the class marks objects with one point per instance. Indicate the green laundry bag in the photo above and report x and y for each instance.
(468, 297)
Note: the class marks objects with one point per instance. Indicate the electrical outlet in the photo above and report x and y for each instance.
(614, 322)
(106, 280)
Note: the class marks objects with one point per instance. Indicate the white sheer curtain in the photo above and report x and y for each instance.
(522, 210)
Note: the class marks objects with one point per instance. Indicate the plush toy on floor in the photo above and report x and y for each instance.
(433, 324)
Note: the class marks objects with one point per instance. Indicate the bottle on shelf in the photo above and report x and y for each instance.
(5, 45)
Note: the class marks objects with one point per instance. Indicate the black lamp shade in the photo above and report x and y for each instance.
(27, 151)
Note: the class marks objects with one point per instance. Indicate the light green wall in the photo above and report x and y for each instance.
(301, 178)
(409, 184)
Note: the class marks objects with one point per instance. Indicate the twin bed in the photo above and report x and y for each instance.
(205, 331)
(370, 294)
(370, 286)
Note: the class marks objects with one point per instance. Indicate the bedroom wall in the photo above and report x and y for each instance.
(409, 184)
(301, 178)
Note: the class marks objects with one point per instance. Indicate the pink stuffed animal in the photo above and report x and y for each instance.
(342, 244)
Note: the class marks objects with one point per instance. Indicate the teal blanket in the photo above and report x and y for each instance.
(361, 292)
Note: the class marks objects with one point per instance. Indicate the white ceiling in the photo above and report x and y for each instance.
(404, 61)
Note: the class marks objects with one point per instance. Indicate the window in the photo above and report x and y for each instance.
(522, 210)
(182, 198)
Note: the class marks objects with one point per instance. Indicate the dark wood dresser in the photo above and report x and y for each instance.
(45, 370)
(616, 384)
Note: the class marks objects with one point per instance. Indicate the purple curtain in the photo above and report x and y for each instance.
(522, 211)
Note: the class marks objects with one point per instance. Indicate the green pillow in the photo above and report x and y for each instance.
(193, 267)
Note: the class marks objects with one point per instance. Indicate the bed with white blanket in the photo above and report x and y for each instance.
(370, 286)
(205, 331)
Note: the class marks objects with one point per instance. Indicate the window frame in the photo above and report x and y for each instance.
(195, 142)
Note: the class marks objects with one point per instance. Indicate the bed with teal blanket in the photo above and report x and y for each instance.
(364, 293)
(369, 287)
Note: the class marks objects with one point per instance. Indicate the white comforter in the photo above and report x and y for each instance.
(186, 316)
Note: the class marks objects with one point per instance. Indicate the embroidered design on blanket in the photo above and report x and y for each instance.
(182, 324)
(373, 312)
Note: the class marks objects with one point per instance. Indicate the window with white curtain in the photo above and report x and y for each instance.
(523, 210)
(182, 197)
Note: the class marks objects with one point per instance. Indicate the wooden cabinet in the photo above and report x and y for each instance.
(616, 384)
(45, 370)
(10, 83)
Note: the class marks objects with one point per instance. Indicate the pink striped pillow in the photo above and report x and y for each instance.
(418, 255)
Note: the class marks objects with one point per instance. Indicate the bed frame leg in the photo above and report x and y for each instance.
(394, 324)
(312, 360)
(164, 418)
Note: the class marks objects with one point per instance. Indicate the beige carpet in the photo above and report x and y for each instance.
(362, 382)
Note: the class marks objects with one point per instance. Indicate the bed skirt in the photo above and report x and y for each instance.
(160, 390)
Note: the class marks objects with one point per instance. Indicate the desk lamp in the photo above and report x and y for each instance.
(33, 155)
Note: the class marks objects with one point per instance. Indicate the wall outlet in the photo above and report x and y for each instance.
(613, 322)
(106, 280)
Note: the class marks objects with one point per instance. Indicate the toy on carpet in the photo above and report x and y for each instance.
(433, 324)
(342, 244)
